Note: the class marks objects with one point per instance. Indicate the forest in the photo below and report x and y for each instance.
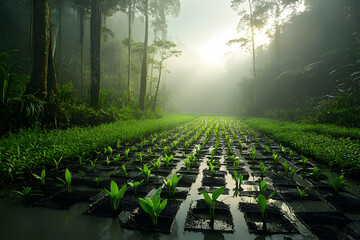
(175, 119)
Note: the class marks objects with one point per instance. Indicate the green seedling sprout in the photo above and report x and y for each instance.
(276, 158)
(167, 161)
(118, 144)
(262, 203)
(263, 187)
(337, 183)
(57, 163)
(117, 157)
(183, 154)
(171, 184)
(302, 193)
(238, 179)
(262, 169)
(127, 151)
(212, 169)
(110, 150)
(211, 160)
(97, 181)
(267, 148)
(123, 168)
(292, 155)
(211, 201)
(115, 195)
(241, 146)
(315, 173)
(237, 163)
(41, 177)
(146, 172)
(93, 164)
(292, 171)
(252, 154)
(67, 181)
(135, 186)
(287, 167)
(157, 164)
(81, 159)
(27, 192)
(153, 206)
(140, 155)
(232, 157)
(187, 163)
(304, 161)
(108, 161)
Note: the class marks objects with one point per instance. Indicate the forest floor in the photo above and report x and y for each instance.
(310, 201)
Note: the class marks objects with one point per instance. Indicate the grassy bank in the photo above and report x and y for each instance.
(336, 146)
(23, 153)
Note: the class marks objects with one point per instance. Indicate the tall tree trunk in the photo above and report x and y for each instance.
(40, 43)
(129, 51)
(152, 66)
(95, 39)
(144, 63)
(277, 38)
(253, 52)
(158, 85)
(81, 12)
(59, 40)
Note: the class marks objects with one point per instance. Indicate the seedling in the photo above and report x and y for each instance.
(97, 181)
(81, 159)
(167, 161)
(157, 164)
(146, 172)
(140, 155)
(171, 157)
(238, 179)
(267, 148)
(110, 150)
(183, 154)
(241, 146)
(211, 201)
(292, 171)
(301, 192)
(232, 157)
(118, 144)
(27, 192)
(127, 151)
(41, 177)
(237, 163)
(115, 195)
(67, 181)
(93, 164)
(287, 167)
(304, 161)
(262, 169)
(263, 187)
(171, 184)
(117, 158)
(153, 206)
(262, 202)
(135, 186)
(337, 184)
(212, 169)
(252, 154)
(276, 158)
(187, 163)
(57, 163)
(123, 168)
(108, 161)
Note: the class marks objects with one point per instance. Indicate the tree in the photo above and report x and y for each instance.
(130, 13)
(167, 50)
(95, 41)
(143, 80)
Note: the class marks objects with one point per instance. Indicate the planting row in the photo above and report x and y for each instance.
(215, 171)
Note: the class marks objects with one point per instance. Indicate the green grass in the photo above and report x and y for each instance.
(30, 150)
(336, 146)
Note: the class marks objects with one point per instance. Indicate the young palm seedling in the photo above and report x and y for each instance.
(262, 169)
(237, 163)
(157, 164)
(238, 179)
(337, 184)
(97, 181)
(304, 161)
(187, 163)
(292, 155)
(231, 157)
(183, 154)
(287, 167)
(41, 177)
(262, 203)
(146, 172)
(153, 206)
(110, 150)
(67, 181)
(57, 164)
(108, 161)
(211, 201)
(252, 154)
(212, 169)
(167, 161)
(135, 186)
(171, 184)
(93, 164)
(263, 187)
(123, 168)
(117, 158)
(115, 195)
(27, 192)
(127, 151)
(302, 192)
(241, 146)
(276, 158)
(316, 173)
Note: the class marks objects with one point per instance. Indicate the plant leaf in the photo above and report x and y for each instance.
(207, 198)
(217, 193)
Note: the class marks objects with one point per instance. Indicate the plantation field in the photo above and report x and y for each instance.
(209, 177)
